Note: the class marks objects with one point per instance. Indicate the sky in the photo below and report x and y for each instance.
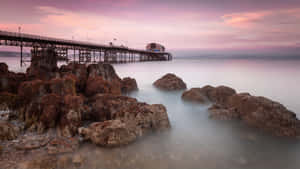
(177, 24)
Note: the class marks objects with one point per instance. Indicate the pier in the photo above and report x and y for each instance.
(79, 51)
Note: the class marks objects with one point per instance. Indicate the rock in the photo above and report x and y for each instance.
(51, 110)
(63, 86)
(10, 81)
(8, 101)
(194, 95)
(221, 113)
(110, 133)
(258, 112)
(97, 85)
(128, 85)
(123, 120)
(43, 65)
(8, 131)
(71, 117)
(3, 68)
(265, 114)
(106, 71)
(32, 142)
(218, 94)
(170, 82)
(43, 114)
(80, 72)
(32, 90)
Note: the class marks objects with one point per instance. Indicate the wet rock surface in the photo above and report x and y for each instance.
(129, 85)
(208, 93)
(259, 112)
(124, 120)
(170, 82)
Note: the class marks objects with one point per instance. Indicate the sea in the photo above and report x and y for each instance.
(196, 141)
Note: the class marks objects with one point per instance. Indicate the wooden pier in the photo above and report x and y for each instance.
(79, 51)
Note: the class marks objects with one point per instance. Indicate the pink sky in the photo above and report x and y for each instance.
(186, 24)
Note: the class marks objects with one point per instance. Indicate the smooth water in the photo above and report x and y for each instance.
(195, 140)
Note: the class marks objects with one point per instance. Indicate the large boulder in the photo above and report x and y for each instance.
(106, 71)
(170, 82)
(194, 95)
(218, 94)
(125, 118)
(128, 85)
(265, 114)
(110, 133)
(8, 131)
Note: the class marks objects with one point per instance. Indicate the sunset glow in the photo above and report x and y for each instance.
(179, 24)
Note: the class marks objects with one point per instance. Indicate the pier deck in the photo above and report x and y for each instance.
(80, 51)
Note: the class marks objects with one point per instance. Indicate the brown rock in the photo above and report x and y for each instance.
(43, 65)
(124, 120)
(31, 142)
(71, 117)
(218, 94)
(195, 95)
(63, 86)
(3, 68)
(51, 109)
(99, 85)
(10, 81)
(80, 74)
(258, 112)
(32, 90)
(110, 133)
(106, 71)
(221, 113)
(44, 113)
(265, 114)
(170, 82)
(129, 85)
(8, 131)
(8, 101)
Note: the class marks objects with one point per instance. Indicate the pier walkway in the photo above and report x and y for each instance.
(80, 51)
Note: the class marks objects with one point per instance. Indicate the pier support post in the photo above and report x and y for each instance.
(21, 63)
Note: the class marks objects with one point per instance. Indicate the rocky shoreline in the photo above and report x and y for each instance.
(48, 112)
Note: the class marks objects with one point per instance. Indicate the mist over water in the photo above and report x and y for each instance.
(195, 140)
